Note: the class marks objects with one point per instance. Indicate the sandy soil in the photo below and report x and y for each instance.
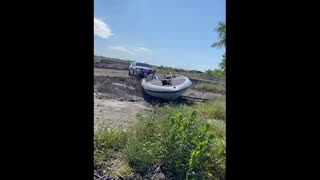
(118, 114)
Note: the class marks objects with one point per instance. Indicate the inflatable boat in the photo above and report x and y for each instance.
(171, 91)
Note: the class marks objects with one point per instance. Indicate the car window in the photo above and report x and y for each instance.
(143, 65)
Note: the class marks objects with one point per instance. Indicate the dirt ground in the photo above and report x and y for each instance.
(118, 114)
(119, 97)
(110, 72)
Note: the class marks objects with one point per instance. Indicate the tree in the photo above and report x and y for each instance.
(222, 64)
(221, 29)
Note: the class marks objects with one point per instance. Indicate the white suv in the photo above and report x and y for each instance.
(139, 69)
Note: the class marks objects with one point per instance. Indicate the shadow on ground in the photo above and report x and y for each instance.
(161, 102)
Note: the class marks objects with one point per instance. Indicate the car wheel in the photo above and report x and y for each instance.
(130, 72)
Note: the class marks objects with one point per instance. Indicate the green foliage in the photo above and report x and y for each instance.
(222, 64)
(187, 141)
(210, 87)
(216, 74)
(143, 148)
(107, 142)
(124, 169)
(108, 146)
(221, 29)
(106, 138)
(184, 143)
(213, 110)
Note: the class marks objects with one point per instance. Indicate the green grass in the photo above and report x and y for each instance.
(211, 88)
(107, 143)
(213, 110)
(188, 142)
(108, 146)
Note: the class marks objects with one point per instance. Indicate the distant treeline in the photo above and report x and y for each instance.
(216, 74)
(113, 59)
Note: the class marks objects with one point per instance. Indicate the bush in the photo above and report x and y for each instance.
(184, 144)
(187, 141)
(216, 74)
(143, 148)
(108, 147)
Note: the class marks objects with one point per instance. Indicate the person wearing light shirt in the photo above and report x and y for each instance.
(152, 75)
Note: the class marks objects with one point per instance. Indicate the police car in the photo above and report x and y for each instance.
(140, 69)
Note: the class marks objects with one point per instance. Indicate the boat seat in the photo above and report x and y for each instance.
(174, 82)
(178, 81)
(156, 82)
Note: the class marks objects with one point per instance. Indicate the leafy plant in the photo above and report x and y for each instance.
(187, 141)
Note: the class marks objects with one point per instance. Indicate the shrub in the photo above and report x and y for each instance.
(215, 74)
(187, 141)
(183, 143)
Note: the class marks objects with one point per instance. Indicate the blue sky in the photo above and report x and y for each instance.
(176, 33)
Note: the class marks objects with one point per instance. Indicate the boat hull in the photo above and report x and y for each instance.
(166, 93)
(167, 96)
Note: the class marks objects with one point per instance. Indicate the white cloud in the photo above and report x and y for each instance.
(141, 49)
(101, 29)
(137, 50)
(122, 49)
